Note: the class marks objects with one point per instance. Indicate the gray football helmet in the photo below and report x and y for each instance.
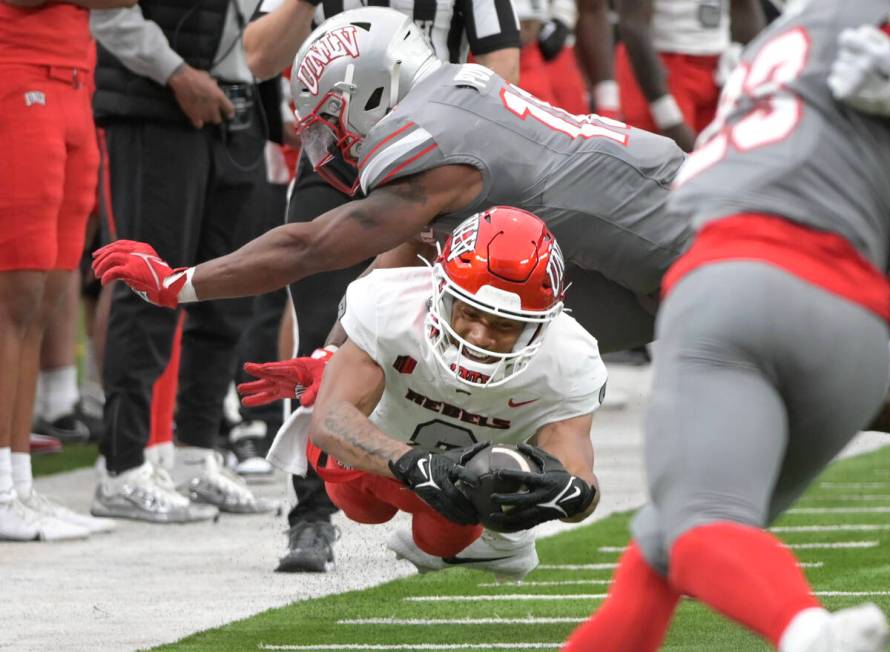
(351, 71)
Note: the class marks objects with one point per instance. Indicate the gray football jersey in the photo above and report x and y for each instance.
(599, 185)
(782, 145)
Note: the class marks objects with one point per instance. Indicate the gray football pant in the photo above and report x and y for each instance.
(760, 379)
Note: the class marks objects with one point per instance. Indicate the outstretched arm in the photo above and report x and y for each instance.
(388, 216)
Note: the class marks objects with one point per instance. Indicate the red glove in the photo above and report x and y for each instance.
(294, 378)
(138, 265)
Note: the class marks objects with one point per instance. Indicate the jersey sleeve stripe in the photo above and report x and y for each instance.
(408, 162)
(383, 142)
(390, 155)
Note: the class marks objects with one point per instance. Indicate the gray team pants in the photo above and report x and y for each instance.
(760, 379)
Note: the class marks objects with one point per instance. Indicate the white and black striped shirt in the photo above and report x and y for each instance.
(454, 27)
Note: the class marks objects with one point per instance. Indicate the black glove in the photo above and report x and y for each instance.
(552, 38)
(553, 493)
(432, 476)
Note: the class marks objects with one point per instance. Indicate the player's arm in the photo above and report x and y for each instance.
(747, 20)
(493, 35)
(353, 384)
(634, 21)
(272, 40)
(593, 41)
(342, 237)
(569, 442)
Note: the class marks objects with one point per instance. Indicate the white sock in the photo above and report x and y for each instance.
(21, 474)
(803, 629)
(7, 488)
(59, 390)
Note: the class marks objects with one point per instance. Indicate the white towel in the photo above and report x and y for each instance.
(288, 451)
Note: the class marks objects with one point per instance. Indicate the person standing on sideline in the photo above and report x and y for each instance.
(48, 174)
(185, 133)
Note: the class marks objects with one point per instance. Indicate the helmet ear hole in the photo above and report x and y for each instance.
(374, 99)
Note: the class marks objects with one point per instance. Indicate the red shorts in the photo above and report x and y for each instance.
(567, 83)
(690, 79)
(369, 498)
(48, 166)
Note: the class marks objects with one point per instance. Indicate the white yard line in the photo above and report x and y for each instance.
(494, 585)
(609, 566)
(506, 597)
(840, 510)
(460, 621)
(848, 497)
(416, 646)
(854, 485)
(793, 546)
(852, 593)
(837, 527)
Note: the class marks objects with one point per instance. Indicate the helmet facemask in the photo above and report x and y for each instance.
(459, 357)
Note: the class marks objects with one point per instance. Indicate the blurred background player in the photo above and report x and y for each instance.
(421, 381)
(48, 170)
(757, 383)
(673, 56)
(454, 28)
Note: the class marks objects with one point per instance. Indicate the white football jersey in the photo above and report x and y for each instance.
(690, 26)
(384, 316)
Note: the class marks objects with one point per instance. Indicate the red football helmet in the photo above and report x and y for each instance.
(505, 262)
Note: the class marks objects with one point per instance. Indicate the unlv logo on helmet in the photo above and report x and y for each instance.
(556, 268)
(337, 43)
(463, 240)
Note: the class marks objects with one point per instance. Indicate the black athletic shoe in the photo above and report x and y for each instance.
(67, 428)
(309, 548)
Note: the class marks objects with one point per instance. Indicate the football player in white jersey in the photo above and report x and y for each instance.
(440, 359)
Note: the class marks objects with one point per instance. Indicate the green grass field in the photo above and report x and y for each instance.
(73, 456)
(850, 506)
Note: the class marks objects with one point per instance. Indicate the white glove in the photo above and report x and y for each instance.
(860, 75)
(727, 62)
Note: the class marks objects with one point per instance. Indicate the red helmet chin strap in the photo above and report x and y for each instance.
(333, 180)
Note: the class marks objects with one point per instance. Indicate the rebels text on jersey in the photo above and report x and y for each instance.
(600, 186)
(384, 316)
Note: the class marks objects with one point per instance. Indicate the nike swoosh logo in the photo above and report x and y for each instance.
(575, 494)
(512, 404)
(456, 561)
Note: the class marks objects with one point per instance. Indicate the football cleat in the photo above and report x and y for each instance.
(510, 557)
(310, 548)
(857, 629)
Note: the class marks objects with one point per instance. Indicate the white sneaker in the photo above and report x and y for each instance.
(43, 505)
(214, 484)
(18, 522)
(509, 556)
(141, 494)
(246, 443)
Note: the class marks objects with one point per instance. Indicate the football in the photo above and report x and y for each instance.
(485, 464)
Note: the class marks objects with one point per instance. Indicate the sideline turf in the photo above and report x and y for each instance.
(73, 456)
(695, 628)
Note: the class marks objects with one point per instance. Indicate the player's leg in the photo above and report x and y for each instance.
(360, 501)
(717, 430)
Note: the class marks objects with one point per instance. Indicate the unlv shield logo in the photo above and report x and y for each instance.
(337, 43)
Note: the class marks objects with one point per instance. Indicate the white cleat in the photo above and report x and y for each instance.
(43, 505)
(858, 629)
(509, 556)
(18, 522)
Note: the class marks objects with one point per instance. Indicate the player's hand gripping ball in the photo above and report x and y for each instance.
(485, 466)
